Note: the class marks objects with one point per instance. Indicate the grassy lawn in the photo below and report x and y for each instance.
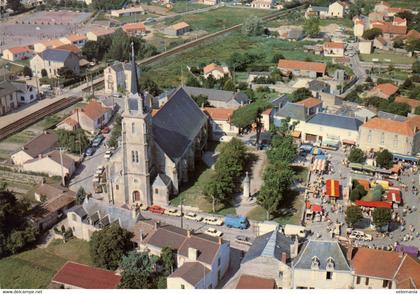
(21, 138)
(134, 18)
(220, 49)
(215, 20)
(345, 22)
(381, 56)
(184, 6)
(35, 268)
(405, 4)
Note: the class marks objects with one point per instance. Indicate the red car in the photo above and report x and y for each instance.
(105, 130)
(157, 209)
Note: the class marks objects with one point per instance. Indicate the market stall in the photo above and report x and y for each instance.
(332, 189)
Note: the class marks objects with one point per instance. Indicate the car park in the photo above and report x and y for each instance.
(213, 232)
(243, 240)
(193, 216)
(210, 220)
(156, 209)
(173, 212)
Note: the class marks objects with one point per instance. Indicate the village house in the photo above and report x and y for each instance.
(177, 29)
(334, 49)
(381, 43)
(8, 97)
(210, 2)
(219, 98)
(217, 71)
(39, 145)
(336, 9)
(54, 202)
(321, 265)
(389, 30)
(359, 26)
(47, 44)
(68, 124)
(25, 93)
(98, 33)
(134, 29)
(93, 116)
(365, 47)
(71, 48)
(398, 21)
(262, 4)
(316, 11)
(74, 275)
(53, 163)
(17, 53)
(202, 260)
(78, 40)
(219, 119)
(252, 282)
(396, 136)
(270, 258)
(379, 269)
(54, 60)
(297, 112)
(381, 7)
(384, 91)
(117, 77)
(127, 11)
(413, 103)
(302, 68)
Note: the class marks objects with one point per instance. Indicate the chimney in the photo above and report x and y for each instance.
(192, 253)
(294, 248)
(284, 257)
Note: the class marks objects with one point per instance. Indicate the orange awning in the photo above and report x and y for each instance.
(349, 142)
(333, 188)
(296, 134)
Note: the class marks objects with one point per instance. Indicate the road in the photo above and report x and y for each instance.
(356, 66)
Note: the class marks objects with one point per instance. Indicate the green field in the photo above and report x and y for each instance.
(134, 18)
(169, 69)
(184, 6)
(395, 58)
(411, 4)
(35, 268)
(345, 22)
(218, 19)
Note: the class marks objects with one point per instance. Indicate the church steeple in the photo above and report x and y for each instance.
(134, 79)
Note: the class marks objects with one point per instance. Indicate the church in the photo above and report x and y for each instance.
(156, 152)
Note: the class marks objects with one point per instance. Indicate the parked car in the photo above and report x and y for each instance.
(157, 209)
(99, 170)
(210, 220)
(90, 151)
(243, 240)
(173, 212)
(108, 154)
(105, 130)
(225, 139)
(236, 221)
(213, 232)
(98, 140)
(193, 216)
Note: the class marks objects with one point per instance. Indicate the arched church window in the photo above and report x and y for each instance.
(133, 128)
(133, 156)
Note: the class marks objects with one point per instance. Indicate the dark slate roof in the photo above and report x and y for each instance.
(279, 101)
(7, 88)
(162, 180)
(117, 66)
(323, 250)
(391, 116)
(336, 121)
(319, 8)
(318, 86)
(293, 110)
(55, 55)
(192, 272)
(272, 244)
(134, 79)
(217, 95)
(295, 34)
(177, 123)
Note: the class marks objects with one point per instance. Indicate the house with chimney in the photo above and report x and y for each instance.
(384, 91)
(17, 53)
(53, 163)
(268, 261)
(220, 122)
(215, 70)
(93, 116)
(219, 98)
(302, 68)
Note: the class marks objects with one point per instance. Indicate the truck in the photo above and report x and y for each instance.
(294, 230)
(236, 221)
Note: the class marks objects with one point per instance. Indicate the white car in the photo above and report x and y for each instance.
(213, 221)
(108, 154)
(213, 232)
(173, 212)
(193, 216)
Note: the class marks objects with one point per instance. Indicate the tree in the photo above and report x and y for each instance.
(150, 86)
(253, 26)
(109, 245)
(357, 192)
(27, 71)
(357, 155)
(217, 189)
(283, 149)
(192, 82)
(247, 115)
(14, 5)
(416, 67)
(80, 195)
(311, 27)
(384, 159)
(412, 45)
(277, 57)
(381, 216)
(16, 231)
(201, 100)
(353, 215)
(417, 110)
(372, 33)
(300, 94)
(73, 141)
(229, 85)
(137, 271)
(168, 260)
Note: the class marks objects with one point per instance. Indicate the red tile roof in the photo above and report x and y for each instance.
(413, 34)
(139, 26)
(86, 277)
(70, 48)
(310, 102)
(409, 271)
(75, 38)
(376, 263)
(374, 204)
(388, 28)
(335, 45)
(94, 109)
(387, 89)
(211, 67)
(17, 50)
(180, 25)
(252, 282)
(399, 19)
(302, 65)
(219, 113)
(412, 102)
(392, 126)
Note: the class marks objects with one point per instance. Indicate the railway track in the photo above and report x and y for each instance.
(37, 116)
(200, 40)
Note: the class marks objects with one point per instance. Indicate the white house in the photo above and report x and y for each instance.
(336, 9)
(17, 53)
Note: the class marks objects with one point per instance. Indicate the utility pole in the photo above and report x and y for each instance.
(182, 217)
(63, 180)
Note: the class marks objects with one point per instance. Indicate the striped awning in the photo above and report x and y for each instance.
(333, 188)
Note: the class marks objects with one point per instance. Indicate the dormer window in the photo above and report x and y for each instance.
(330, 264)
(315, 263)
